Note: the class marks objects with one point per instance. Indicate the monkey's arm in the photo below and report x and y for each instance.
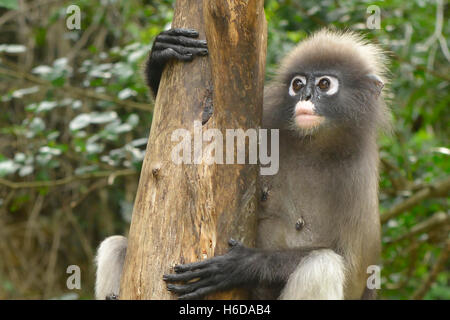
(240, 267)
(179, 44)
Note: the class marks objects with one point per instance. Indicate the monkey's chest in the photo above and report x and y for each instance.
(296, 210)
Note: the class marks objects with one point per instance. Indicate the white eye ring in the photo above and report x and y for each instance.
(291, 89)
(334, 84)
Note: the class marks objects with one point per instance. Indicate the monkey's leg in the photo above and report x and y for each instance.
(240, 267)
(319, 276)
(179, 44)
(110, 258)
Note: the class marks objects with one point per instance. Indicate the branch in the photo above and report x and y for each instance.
(438, 189)
(13, 13)
(420, 67)
(437, 35)
(437, 268)
(389, 167)
(80, 92)
(313, 18)
(439, 219)
(111, 175)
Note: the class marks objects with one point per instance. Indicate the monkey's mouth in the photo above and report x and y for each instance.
(305, 116)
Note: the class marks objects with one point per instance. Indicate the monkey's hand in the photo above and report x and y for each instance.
(219, 273)
(178, 44)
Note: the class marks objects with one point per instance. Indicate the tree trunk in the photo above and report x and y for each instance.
(187, 212)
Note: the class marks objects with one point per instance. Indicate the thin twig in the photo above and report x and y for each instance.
(420, 67)
(440, 188)
(66, 180)
(437, 220)
(437, 268)
(398, 183)
(93, 27)
(53, 255)
(13, 13)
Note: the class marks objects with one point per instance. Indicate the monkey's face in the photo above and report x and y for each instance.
(329, 85)
(328, 99)
(307, 91)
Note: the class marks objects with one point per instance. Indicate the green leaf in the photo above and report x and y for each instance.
(9, 4)
(59, 82)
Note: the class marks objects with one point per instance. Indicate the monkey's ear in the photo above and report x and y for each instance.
(377, 83)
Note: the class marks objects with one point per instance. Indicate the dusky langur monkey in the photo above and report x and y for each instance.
(318, 222)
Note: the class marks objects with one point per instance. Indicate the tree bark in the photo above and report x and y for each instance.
(187, 212)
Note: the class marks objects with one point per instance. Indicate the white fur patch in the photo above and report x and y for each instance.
(304, 107)
(291, 89)
(110, 258)
(305, 115)
(319, 276)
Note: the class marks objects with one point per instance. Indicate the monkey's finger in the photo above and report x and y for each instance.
(186, 288)
(189, 266)
(169, 53)
(200, 293)
(194, 265)
(181, 40)
(181, 32)
(186, 276)
(180, 49)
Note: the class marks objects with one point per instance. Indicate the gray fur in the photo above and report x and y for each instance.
(329, 178)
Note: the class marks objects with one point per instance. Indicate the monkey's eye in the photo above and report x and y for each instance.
(297, 83)
(324, 84)
(328, 84)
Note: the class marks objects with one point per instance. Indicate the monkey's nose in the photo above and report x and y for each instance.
(308, 97)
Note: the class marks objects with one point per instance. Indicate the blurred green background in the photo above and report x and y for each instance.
(75, 116)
